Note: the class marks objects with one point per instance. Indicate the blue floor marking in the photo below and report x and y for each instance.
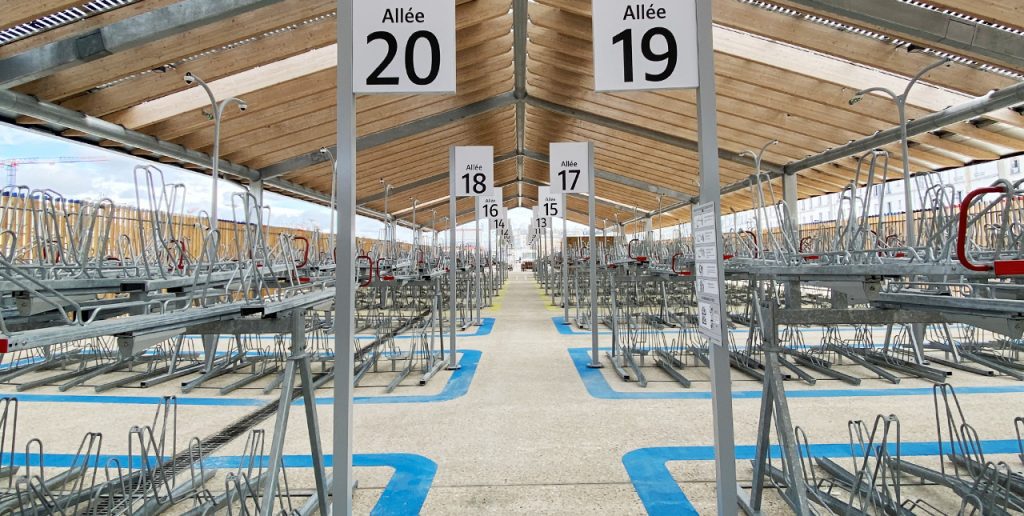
(598, 387)
(457, 386)
(661, 495)
(404, 493)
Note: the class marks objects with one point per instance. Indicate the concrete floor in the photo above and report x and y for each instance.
(527, 437)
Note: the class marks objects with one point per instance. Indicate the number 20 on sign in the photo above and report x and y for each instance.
(645, 45)
(403, 47)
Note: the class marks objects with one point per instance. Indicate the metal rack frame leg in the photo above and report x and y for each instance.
(773, 399)
(297, 358)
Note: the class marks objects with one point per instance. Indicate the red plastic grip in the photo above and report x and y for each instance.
(961, 230)
(674, 256)
(305, 252)
(1009, 267)
(369, 261)
(754, 237)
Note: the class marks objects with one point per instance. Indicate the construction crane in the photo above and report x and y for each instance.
(11, 165)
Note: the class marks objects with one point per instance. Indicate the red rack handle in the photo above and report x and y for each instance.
(756, 246)
(629, 251)
(674, 257)
(803, 241)
(181, 256)
(961, 230)
(369, 262)
(305, 252)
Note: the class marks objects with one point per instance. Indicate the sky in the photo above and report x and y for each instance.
(114, 179)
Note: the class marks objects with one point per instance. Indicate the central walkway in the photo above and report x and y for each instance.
(528, 438)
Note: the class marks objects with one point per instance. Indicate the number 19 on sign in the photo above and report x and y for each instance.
(644, 45)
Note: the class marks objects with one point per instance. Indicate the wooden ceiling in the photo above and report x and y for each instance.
(780, 76)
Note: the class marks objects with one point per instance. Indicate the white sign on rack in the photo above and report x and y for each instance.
(709, 277)
(403, 47)
(644, 46)
(569, 167)
(550, 204)
(489, 205)
(473, 172)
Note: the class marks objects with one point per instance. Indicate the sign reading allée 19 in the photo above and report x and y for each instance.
(403, 47)
(645, 45)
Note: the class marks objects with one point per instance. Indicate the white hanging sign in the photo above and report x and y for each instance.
(488, 206)
(709, 280)
(500, 223)
(473, 171)
(550, 204)
(539, 219)
(569, 167)
(644, 46)
(403, 47)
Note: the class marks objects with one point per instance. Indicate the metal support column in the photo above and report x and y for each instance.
(479, 270)
(551, 253)
(710, 191)
(345, 245)
(565, 262)
(453, 362)
(595, 360)
(789, 199)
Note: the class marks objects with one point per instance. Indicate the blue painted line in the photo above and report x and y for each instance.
(662, 496)
(597, 386)
(20, 362)
(457, 386)
(404, 493)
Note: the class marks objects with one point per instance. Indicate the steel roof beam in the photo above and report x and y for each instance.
(376, 139)
(425, 181)
(930, 26)
(643, 132)
(26, 105)
(622, 180)
(120, 36)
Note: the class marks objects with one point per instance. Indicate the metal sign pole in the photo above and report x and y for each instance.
(565, 262)
(595, 362)
(453, 362)
(345, 245)
(710, 192)
(551, 250)
(490, 278)
(479, 270)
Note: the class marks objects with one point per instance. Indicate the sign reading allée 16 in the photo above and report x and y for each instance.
(403, 47)
(644, 45)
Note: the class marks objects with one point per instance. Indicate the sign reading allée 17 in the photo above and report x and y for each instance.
(403, 47)
(645, 45)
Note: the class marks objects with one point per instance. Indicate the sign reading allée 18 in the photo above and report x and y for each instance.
(403, 47)
(645, 45)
